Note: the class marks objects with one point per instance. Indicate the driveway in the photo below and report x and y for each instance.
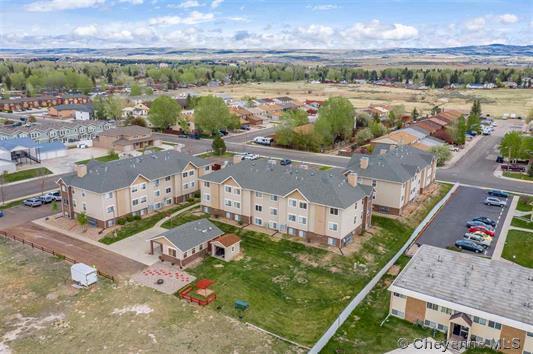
(449, 224)
(66, 164)
(137, 246)
(21, 215)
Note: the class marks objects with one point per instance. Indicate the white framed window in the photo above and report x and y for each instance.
(84, 207)
(292, 217)
(143, 185)
(191, 173)
(446, 310)
(206, 184)
(293, 203)
(303, 205)
(332, 241)
(184, 174)
(334, 211)
(227, 202)
(83, 194)
(237, 205)
(397, 313)
(273, 211)
(110, 209)
(430, 324)
(167, 178)
(157, 206)
(207, 168)
(186, 186)
(355, 219)
(134, 189)
(157, 193)
(274, 198)
(207, 197)
(431, 306)
(168, 190)
(302, 220)
(168, 201)
(237, 191)
(258, 221)
(227, 189)
(143, 199)
(273, 225)
(109, 195)
(193, 184)
(495, 325)
(258, 207)
(332, 226)
(258, 195)
(401, 296)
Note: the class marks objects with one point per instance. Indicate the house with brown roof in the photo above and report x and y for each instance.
(126, 139)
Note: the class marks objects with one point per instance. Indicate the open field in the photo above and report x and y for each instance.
(26, 174)
(41, 312)
(105, 158)
(518, 248)
(495, 102)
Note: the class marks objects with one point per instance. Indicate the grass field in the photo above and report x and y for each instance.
(517, 175)
(105, 158)
(525, 224)
(525, 204)
(26, 174)
(41, 312)
(518, 248)
(495, 102)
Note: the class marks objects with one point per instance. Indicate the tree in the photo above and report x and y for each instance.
(135, 90)
(82, 220)
(218, 145)
(415, 114)
(99, 108)
(164, 112)
(363, 136)
(435, 110)
(336, 120)
(295, 118)
(211, 114)
(516, 145)
(377, 129)
(141, 122)
(442, 153)
(113, 108)
(148, 91)
(476, 108)
(457, 131)
(362, 120)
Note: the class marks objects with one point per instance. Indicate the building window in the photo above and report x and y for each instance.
(293, 203)
(274, 198)
(258, 195)
(110, 209)
(401, 296)
(186, 186)
(172, 252)
(355, 219)
(134, 189)
(431, 306)
(480, 321)
(334, 211)
(169, 201)
(273, 211)
(206, 168)
(184, 174)
(206, 184)
(207, 197)
(258, 208)
(143, 185)
(168, 190)
(167, 178)
(143, 199)
(191, 173)
(157, 193)
(303, 205)
(442, 328)
(192, 184)
(332, 241)
(495, 325)
(135, 202)
(227, 202)
(529, 334)
(184, 254)
(258, 221)
(201, 247)
(292, 217)
(227, 189)
(237, 191)
(237, 205)
(302, 220)
(446, 310)
(109, 195)
(83, 194)
(333, 226)
(397, 313)
(84, 207)
(430, 324)
(193, 251)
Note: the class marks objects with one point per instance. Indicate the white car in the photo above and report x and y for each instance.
(249, 156)
(82, 146)
(261, 140)
(480, 240)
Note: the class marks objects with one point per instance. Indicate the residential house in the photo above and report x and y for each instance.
(264, 101)
(408, 136)
(188, 242)
(467, 297)
(25, 150)
(108, 191)
(245, 116)
(71, 111)
(64, 131)
(138, 111)
(320, 206)
(126, 139)
(273, 111)
(26, 103)
(282, 100)
(397, 175)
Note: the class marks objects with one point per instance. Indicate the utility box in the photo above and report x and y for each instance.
(83, 274)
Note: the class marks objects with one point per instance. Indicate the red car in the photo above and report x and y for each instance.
(481, 229)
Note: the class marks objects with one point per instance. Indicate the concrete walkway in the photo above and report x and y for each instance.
(137, 247)
(520, 229)
(498, 249)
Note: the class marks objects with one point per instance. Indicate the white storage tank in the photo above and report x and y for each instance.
(83, 274)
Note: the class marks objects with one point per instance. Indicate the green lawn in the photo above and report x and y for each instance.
(363, 333)
(105, 158)
(325, 168)
(212, 154)
(525, 224)
(518, 175)
(137, 226)
(524, 203)
(26, 174)
(518, 248)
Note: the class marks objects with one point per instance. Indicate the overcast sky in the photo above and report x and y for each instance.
(264, 24)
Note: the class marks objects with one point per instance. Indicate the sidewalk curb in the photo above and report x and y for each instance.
(500, 244)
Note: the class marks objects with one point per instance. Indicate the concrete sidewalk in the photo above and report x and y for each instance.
(498, 249)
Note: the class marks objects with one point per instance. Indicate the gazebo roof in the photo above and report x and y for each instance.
(204, 283)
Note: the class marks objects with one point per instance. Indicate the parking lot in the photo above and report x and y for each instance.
(449, 224)
(21, 215)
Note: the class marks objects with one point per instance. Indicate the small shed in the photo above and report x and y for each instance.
(226, 247)
(83, 274)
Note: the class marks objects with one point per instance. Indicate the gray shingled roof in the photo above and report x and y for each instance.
(493, 286)
(105, 177)
(323, 187)
(192, 234)
(75, 107)
(396, 165)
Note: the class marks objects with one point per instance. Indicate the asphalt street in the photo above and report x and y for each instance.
(18, 190)
(449, 224)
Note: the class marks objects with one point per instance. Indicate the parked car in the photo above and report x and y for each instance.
(245, 127)
(499, 159)
(481, 229)
(47, 198)
(485, 220)
(55, 195)
(1, 213)
(261, 140)
(82, 146)
(473, 223)
(33, 202)
(469, 245)
(513, 168)
(285, 162)
(498, 194)
(478, 239)
(223, 132)
(249, 156)
(454, 148)
(491, 201)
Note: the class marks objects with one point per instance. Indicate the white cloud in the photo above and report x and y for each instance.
(86, 31)
(58, 5)
(238, 18)
(508, 18)
(476, 24)
(324, 7)
(185, 4)
(216, 3)
(194, 18)
(133, 2)
(376, 30)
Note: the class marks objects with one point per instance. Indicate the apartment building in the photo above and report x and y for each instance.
(397, 174)
(126, 139)
(321, 206)
(134, 186)
(467, 297)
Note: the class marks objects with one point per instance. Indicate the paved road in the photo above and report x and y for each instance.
(19, 190)
(449, 224)
(105, 261)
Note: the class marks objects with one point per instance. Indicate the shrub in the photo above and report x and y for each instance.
(130, 218)
(121, 221)
(137, 217)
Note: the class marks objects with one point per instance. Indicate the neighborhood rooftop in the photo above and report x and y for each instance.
(397, 164)
(192, 234)
(328, 188)
(492, 286)
(105, 177)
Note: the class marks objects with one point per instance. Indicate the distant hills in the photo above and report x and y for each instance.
(288, 55)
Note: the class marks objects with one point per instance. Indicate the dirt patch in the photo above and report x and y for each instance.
(136, 309)
(394, 270)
